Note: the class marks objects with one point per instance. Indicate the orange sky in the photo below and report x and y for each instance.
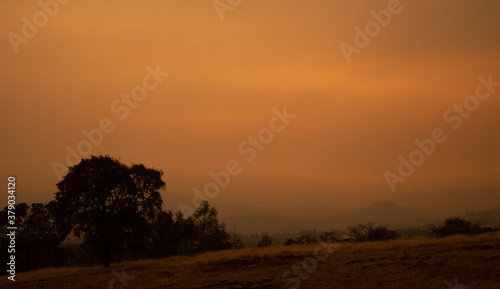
(226, 77)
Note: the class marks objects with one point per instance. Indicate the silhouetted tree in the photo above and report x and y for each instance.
(314, 236)
(187, 233)
(198, 233)
(109, 204)
(331, 236)
(456, 225)
(265, 241)
(235, 241)
(382, 233)
(290, 242)
(165, 240)
(307, 238)
(368, 232)
(360, 232)
(212, 236)
(37, 238)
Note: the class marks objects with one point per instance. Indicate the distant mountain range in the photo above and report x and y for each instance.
(380, 213)
(413, 208)
(388, 213)
(455, 201)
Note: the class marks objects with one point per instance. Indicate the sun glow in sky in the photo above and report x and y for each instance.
(226, 76)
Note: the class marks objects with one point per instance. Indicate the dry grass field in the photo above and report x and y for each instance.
(454, 262)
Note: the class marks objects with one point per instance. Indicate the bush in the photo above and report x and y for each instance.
(236, 242)
(290, 242)
(310, 237)
(265, 241)
(368, 232)
(456, 225)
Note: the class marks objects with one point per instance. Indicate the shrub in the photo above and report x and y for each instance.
(265, 241)
(368, 232)
(456, 225)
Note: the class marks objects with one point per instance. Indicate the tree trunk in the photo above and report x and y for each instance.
(28, 257)
(107, 257)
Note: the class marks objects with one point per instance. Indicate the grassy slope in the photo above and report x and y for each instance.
(414, 263)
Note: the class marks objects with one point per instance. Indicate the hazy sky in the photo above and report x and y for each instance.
(228, 71)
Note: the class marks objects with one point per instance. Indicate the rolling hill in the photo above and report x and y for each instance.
(387, 213)
(453, 262)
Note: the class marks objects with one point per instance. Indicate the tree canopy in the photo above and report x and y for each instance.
(456, 225)
(368, 232)
(37, 237)
(108, 204)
